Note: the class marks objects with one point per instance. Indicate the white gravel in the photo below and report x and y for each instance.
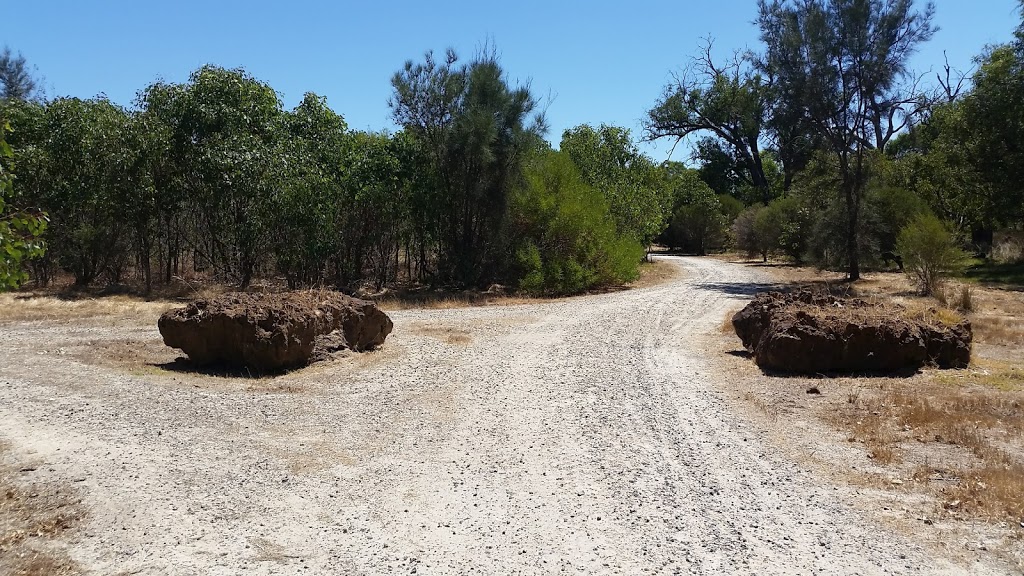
(584, 436)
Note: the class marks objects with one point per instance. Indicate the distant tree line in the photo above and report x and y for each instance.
(213, 176)
(821, 147)
(832, 145)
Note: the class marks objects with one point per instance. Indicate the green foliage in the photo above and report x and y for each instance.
(887, 211)
(935, 161)
(633, 186)
(568, 238)
(306, 211)
(930, 252)
(731, 206)
(20, 230)
(698, 219)
(476, 131)
(730, 103)
(225, 128)
(839, 67)
(991, 132)
(792, 220)
(756, 231)
(213, 177)
(89, 232)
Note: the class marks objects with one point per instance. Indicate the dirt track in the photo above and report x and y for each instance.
(584, 436)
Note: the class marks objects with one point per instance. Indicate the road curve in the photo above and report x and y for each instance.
(584, 436)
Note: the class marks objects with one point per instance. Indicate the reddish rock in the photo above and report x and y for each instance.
(808, 333)
(268, 332)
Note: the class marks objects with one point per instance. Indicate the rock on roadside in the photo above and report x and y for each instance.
(269, 332)
(806, 332)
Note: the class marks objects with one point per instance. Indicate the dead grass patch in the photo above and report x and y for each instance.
(448, 334)
(33, 515)
(18, 307)
(897, 421)
(656, 272)
(947, 444)
(727, 327)
(145, 355)
(987, 373)
(999, 330)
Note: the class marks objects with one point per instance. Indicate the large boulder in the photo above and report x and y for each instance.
(808, 333)
(269, 332)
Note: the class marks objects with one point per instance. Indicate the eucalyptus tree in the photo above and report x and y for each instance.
(476, 129)
(309, 205)
(377, 207)
(993, 132)
(89, 235)
(841, 67)
(696, 220)
(727, 102)
(223, 129)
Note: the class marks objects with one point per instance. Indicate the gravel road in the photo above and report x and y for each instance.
(584, 436)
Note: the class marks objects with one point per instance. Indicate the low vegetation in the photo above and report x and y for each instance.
(33, 515)
(955, 437)
(212, 178)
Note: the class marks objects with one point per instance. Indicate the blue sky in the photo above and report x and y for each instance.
(596, 61)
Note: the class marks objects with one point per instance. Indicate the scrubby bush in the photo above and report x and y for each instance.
(698, 225)
(756, 231)
(887, 211)
(793, 221)
(699, 218)
(930, 252)
(19, 230)
(568, 241)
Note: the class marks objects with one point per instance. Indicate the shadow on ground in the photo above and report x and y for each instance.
(183, 365)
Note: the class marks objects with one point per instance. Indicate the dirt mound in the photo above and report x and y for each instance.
(267, 332)
(807, 332)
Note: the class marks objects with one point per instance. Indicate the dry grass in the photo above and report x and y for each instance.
(726, 326)
(656, 272)
(987, 425)
(987, 373)
(32, 516)
(955, 436)
(20, 307)
(999, 330)
(449, 334)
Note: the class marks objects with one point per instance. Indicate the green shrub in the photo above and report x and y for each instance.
(930, 252)
(756, 231)
(567, 238)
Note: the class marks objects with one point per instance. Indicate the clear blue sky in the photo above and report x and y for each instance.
(599, 61)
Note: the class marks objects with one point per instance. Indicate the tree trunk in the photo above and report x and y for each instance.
(147, 268)
(760, 179)
(852, 253)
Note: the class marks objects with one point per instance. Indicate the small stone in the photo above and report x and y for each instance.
(813, 390)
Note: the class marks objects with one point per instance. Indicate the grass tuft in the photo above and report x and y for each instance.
(32, 515)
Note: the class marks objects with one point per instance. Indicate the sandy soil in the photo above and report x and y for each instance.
(590, 435)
